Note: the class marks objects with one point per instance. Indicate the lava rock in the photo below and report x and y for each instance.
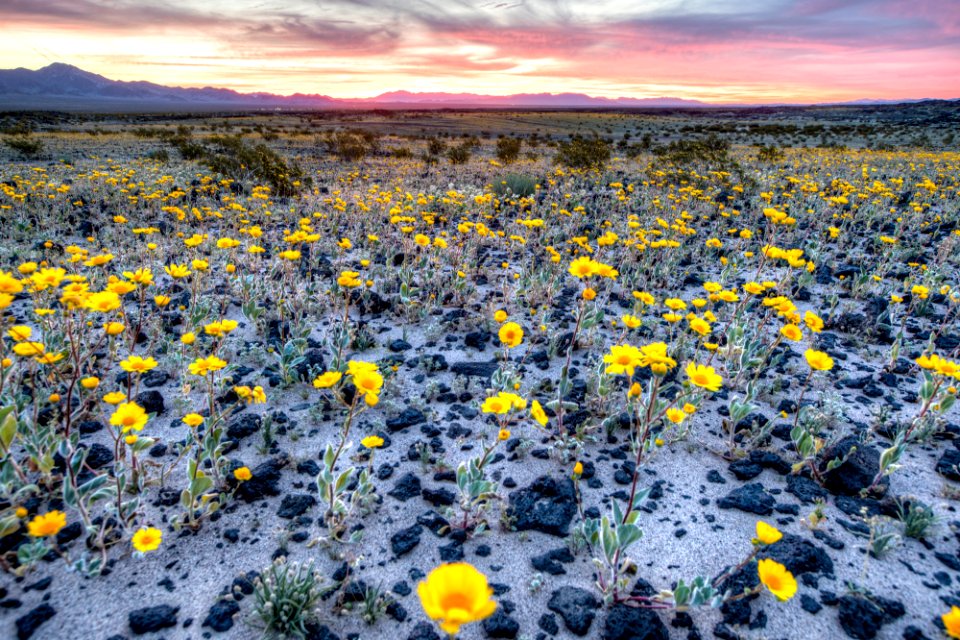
(407, 418)
(29, 623)
(857, 472)
(633, 623)
(243, 426)
(949, 465)
(408, 486)
(220, 616)
(547, 505)
(576, 606)
(294, 505)
(264, 482)
(404, 541)
(500, 625)
(151, 619)
(750, 498)
(151, 401)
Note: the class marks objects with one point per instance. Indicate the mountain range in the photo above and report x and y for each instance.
(65, 87)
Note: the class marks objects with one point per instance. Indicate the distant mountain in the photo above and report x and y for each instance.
(63, 86)
(63, 83)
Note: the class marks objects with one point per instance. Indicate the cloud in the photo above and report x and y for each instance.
(883, 47)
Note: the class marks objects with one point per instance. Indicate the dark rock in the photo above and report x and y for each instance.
(151, 619)
(861, 619)
(633, 623)
(750, 498)
(423, 631)
(408, 486)
(29, 623)
(548, 623)
(477, 369)
(500, 625)
(805, 489)
(549, 562)
(403, 541)
(439, 497)
(408, 418)
(799, 556)
(857, 472)
(243, 426)
(264, 482)
(220, 616)
(296, 504)
(547, 505)
(576, 606)
(151, 401)
(949, 464)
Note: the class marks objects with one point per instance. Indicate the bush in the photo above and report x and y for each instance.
(352, 146)
(459, 154)
(232, 157)
(508, 149)
(769, 154)
(517, 185)
(436, 146)
(712, 150)
(583, 153)
(24, 145)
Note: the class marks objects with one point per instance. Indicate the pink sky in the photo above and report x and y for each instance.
(717, 50)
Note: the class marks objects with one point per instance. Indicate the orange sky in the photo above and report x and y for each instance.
(717, 50)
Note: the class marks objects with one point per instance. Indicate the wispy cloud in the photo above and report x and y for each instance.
(717, 49)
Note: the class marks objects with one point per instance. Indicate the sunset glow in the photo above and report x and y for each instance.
(717, 51)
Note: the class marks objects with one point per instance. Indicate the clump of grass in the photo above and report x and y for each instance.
(917, 519)
(285, 597)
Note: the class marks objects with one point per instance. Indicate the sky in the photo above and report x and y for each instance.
(743, 51)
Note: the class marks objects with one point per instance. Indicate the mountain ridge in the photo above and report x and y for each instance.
(60, 83)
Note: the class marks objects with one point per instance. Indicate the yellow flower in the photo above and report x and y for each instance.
(631, 322)
(818, 360)
(206, 366)
(813, 321)
(136, 364)
(242, 474)
(699, 326)
(503, 434)
(777, 579)
(538, 414)
(500, 315)
(951, 622)
(766, 534)
(48, 524)
(455, 594)
(583, 267)
(655, 356)
(368, 383)
(147, 539)
(129, 416)
(704, 377)
(27, 349)
(349, 279)
(20, 332)
(623, 359)
(114, 397)
(676, 416)
(161, 301)
(177, 271)
(372, 442)
(511, 334)
(578, 469)
(589, 294)
(192, 419)
(90, 382)
(113, 328)
(791, 332)
(421, 240)
(327, 380)
(102, 301)
(188, 338)
(496, 404)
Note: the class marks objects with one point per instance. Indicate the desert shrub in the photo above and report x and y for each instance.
(24, 145)
(583, 153)
(403, 153)
(459, 154)
(711, 149)
(508, 149)
(351, 146)
(285, 598)
(769, 153)
(236, 159)
(436, 146)
(515, 184)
